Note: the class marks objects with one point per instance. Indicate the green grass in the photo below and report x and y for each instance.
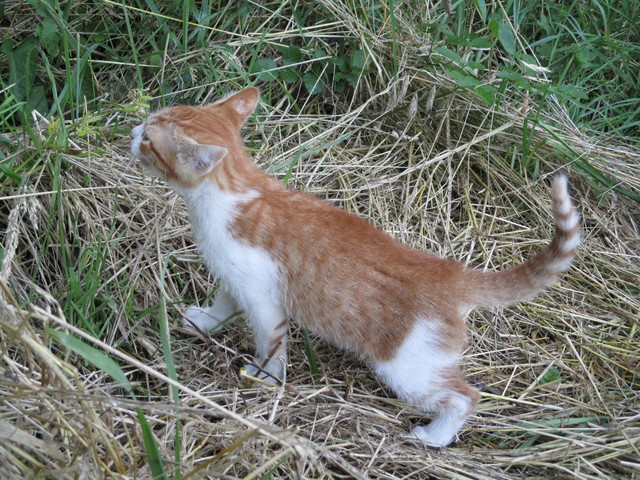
(580, 56)
(593, 52)
(590, 50)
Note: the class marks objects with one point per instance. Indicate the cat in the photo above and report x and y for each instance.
(281, 254)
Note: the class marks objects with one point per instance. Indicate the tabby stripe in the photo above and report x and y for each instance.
(277, 339)
(159, 157)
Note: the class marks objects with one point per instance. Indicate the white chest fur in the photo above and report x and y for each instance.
(245, 271)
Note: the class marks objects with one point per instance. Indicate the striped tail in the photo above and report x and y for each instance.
(488, 289)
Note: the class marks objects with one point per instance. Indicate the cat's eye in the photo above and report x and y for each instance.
(145, 137)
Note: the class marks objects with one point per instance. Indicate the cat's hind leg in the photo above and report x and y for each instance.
(424, 372)
(457, 401)
(214, 317)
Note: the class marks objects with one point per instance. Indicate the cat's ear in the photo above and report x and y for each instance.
(196, 158)
(242, 104)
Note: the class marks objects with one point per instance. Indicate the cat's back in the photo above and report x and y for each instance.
(282, 220)
(289, 223)
(343, 277)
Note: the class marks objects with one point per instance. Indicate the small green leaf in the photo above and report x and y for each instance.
(291, 55)
(464, 80)
(289, 75)
(341, 62)
(494, 24)
(457, 40)
(41, 7)
(351, 78)
(339, 86)
(17, 178)
(312, 83)
(266, 68)
(507, 38)
(319, 53)
(476, 65)
(553, 375)
(545, 24)
(49, 34)
(511, 76)
(481, 42)
(544, 50)
(481, 6)
(358, 61)
(487, 93)
(570, 92)
(585, 55)
(450, 54)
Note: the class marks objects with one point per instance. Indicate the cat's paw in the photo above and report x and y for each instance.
(429, 437)
(202, 319)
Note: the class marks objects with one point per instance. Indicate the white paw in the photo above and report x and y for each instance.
(201, 318)
(431, 437)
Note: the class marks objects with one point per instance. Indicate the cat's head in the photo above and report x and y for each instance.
(184, 144)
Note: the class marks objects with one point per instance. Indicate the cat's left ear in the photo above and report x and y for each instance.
(242, 104)
(196, 158)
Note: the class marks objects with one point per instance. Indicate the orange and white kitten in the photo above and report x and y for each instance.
(283, 255)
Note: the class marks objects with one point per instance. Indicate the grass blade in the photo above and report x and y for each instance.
(93, 356)
(109, 366)
(151, 447)
(171, 367)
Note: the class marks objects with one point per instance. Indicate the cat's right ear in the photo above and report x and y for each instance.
(242, 104)
(196, 158)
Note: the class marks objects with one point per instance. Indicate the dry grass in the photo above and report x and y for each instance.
(562, 370)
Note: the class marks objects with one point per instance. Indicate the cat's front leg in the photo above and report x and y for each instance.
(214, 317)
(269, 324)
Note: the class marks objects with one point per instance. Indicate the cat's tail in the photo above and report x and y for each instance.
(488, 289)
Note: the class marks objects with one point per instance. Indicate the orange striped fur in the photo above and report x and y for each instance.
(283, 255)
